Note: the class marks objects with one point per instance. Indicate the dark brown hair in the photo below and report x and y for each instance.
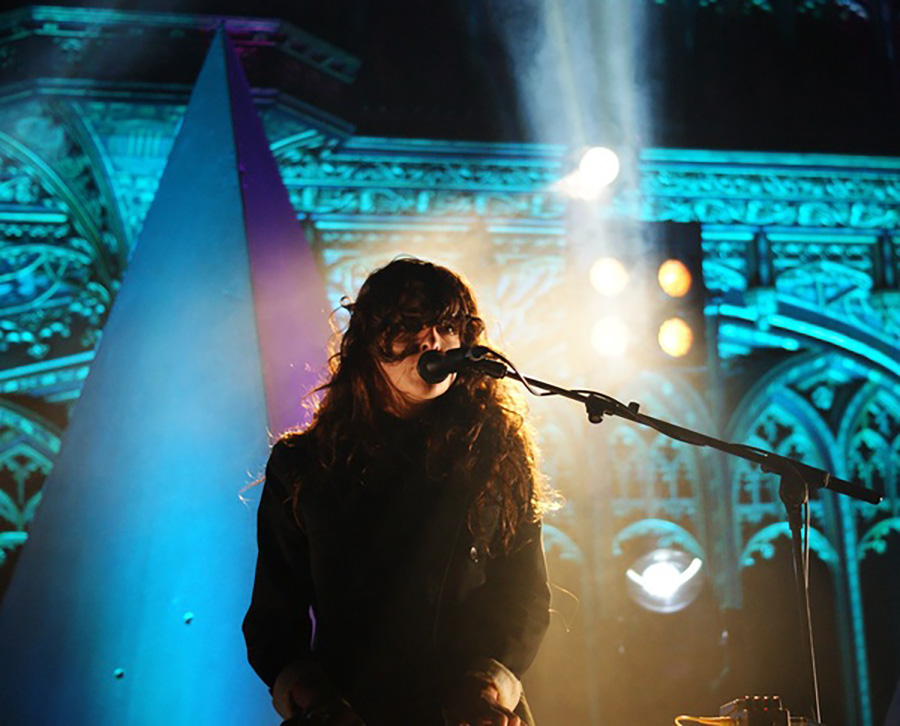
(480, 434)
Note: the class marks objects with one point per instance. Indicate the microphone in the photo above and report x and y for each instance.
(434, 366)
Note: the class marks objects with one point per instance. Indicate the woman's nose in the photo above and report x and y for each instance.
(431, 340)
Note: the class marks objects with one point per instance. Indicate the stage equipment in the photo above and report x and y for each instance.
(749, 711)
(759, 711)
(653, 304)
(675, 337)
(797, 479)
(609, 276)
(665, 580)
(599, 166)
(434, 366)
(610, 337)
(597, 169)
(674, 278)
(679, 294)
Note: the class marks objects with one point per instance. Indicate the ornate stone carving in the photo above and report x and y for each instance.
(135, 139)
(875, 540)
(61, 258)
(811, 7)
(28, 446)
(782, 424)
(740, 194)
(663, 533)
(762, 545)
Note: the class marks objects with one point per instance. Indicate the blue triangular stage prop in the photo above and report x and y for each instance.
(126, 604)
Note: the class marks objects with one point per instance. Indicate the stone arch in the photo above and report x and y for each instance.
(65, 248)
(869, 439)
(775, 417)
(664, 533)
(775, 385)
(62, 158)
(797, 397)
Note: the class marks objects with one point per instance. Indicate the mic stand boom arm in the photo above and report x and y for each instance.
(798, 480)
(599, 405)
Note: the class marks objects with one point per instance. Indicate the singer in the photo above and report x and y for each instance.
(401, 578)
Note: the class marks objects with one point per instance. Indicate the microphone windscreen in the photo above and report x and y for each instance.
(430, 367)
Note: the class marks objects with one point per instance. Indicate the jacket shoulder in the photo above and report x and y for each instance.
(292, 457)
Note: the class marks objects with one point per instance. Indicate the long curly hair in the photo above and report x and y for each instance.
(476, 432)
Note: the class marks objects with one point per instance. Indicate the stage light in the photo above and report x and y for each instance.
(675, 337)
(609, 276)
(610, 337)
(599, 166)
(597, 169)
(665, 580)
(677, 297)
(674, 278)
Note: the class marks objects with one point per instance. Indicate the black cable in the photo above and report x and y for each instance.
(812, 646)
(506, 361)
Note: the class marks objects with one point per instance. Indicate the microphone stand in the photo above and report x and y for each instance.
(797, 479)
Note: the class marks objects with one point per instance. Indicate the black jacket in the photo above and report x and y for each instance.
(378, 580)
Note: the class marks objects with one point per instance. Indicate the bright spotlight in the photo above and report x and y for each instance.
(675, 337)
(609, 276)
(674, 278)
(597, 169)
(610, 337)
(665, 580)
(599, 165)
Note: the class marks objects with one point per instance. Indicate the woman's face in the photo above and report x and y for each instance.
(409, 391)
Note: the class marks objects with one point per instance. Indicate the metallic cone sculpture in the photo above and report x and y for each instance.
(126, 604)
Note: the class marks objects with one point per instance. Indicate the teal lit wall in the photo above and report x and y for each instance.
(800, 257)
